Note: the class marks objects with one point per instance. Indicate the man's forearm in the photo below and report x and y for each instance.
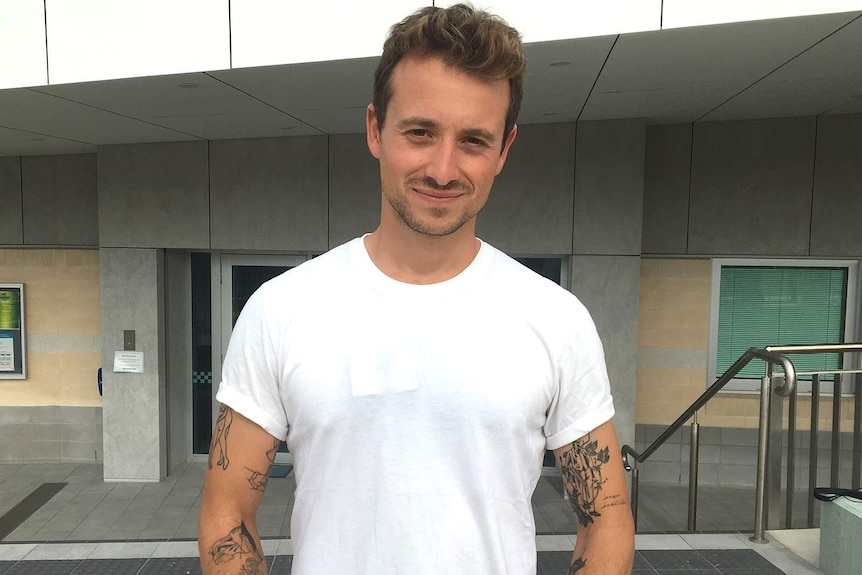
(236, 552)
(607, 553)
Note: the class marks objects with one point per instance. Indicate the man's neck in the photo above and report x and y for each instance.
(422, 259)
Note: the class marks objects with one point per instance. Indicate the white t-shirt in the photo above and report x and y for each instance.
(417, 415)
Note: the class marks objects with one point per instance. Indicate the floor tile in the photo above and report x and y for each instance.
(109, 567)
(62, 551)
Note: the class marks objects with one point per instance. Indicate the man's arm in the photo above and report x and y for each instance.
(241, 455)
(594, 478)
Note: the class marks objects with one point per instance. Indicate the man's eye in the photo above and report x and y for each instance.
(419, 132)
(476, 142)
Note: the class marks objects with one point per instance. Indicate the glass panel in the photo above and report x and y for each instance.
(550, 268)
(761, 306)
(246, 280)
(202, 369)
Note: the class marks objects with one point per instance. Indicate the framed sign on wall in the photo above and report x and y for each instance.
(13, 349)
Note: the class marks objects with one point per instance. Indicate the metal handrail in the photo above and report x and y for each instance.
(772, 355)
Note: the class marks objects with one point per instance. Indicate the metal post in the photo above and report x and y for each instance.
(692, 475)
(635, 494)
(836, 430)
(774, 454)
(791, 461)
(856, 482)
(763, 436)
(813, 446)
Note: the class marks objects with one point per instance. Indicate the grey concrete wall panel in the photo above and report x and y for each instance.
(60, 200)
(609, 180)
(133, 404)
(529, 211)
(269, 194)
(354, 188)
(836, 222)
(751, 185)
(154, 195)
(178, 357)
(667, 171)
(11, 216)
(609, 286)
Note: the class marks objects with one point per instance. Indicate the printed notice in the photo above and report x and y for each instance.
(128, 362)
(7, 352)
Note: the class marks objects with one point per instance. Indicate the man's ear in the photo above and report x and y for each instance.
(506, 145)
(372, 131)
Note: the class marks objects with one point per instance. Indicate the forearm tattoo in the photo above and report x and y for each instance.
(239, 543)
(258, 480)
(581, 466)
(218, 447)
(577, 565)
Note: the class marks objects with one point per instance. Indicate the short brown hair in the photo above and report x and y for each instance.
(468, 39)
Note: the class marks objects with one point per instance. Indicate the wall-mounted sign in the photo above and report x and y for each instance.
(13, 356)
(128, 362)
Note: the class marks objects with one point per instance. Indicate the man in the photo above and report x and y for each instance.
(416, 373)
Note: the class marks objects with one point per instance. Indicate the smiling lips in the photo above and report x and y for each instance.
(432, 191)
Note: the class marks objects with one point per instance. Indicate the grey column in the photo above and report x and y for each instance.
(609, 287)
(133, 408)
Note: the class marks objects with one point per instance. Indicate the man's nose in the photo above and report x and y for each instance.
(443, 164)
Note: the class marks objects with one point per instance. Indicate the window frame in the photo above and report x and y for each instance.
(851, 323)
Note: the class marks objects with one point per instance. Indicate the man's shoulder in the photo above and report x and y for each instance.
(316, 273)
(524, 287)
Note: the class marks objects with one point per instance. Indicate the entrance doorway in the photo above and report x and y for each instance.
(234, 278)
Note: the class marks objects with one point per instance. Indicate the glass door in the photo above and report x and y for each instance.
(238, 276)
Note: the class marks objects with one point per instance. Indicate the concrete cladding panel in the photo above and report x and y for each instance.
(751, 184)
(529, 211)
(11, 220)
(836, 228)
(154, 195)
(133, 404)
(667, 170)
(269, 194)
(354, 188)
(609, 180)
(60, 200)
(608, 286)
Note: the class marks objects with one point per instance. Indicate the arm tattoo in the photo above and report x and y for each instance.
(581, 466)
(219, 441)
(577, 565)
(239, 543)
(258, 480)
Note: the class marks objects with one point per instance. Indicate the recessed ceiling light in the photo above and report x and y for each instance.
(549, 113)
(559, 64)
(286, 128)
(188, 85)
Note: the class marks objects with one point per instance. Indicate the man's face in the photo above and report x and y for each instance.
(440, 147)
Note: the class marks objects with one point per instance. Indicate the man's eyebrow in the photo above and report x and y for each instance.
(417, 121)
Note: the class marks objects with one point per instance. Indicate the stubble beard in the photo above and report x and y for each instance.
(439, 222)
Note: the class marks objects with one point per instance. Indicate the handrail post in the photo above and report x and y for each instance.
(774, 453)
(857, 433)
(813, 445)
(763, 437)
(835, 459)
(692, 475)
(790, 490)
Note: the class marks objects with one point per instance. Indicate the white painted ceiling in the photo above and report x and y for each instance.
(769, 68)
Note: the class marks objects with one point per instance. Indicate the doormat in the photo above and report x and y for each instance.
(27, 507)
(280, 469)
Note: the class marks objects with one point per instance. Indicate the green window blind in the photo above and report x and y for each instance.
(762, 306)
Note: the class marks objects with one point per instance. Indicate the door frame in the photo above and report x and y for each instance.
(221, 264)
